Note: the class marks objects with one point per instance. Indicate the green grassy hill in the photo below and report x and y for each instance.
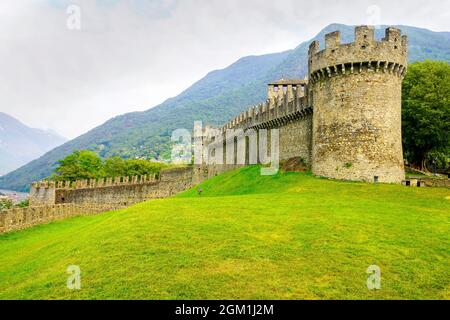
(214, 99)
(291, 236)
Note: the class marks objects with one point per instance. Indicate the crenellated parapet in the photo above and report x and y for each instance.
(365, 54)
(43, 185)
(114, 191)
(102, 182)
(287, 101)
(356, 92)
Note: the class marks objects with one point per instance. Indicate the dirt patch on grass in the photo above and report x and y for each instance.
(296, 164)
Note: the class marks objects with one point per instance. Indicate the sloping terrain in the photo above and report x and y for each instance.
(20, 144)
(290, 236)
(214, 99)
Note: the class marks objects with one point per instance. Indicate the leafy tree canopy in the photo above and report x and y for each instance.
(5, 204)
(426, 114)
(115, 167)
(80, 165)
(88, 165)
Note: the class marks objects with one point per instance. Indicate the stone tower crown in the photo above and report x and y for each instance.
(365, 53)
(293, 87)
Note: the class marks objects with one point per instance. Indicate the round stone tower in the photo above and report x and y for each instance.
(355, 90)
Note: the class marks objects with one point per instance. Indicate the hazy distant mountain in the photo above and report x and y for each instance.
(214, 99)
(20, 144)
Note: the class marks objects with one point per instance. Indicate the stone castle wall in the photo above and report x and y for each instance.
(345, 121)
(286, 109)
(50, 202)
(22, 218)
(296, 139)
(125, 194)
(116, 192)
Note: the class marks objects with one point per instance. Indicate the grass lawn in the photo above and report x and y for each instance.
(291, 236)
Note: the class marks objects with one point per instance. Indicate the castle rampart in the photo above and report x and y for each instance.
(22, 218)
(122, 192)
(117, 192)
(345, 122)
(51, 201)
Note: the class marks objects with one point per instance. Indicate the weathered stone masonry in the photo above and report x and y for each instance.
(345, 122)
(50, 201)
(115, 192)
(22, 218)
(356, 90)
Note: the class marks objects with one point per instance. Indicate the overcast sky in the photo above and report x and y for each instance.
(130, 55)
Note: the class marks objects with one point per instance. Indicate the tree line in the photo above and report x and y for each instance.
(84, 164)
(426, 115)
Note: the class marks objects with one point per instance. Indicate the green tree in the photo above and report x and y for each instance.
(79, 165)
(137, 167)
(115, 167)
(5, 203)
(88, 165)
(426, 112)
(23, 204)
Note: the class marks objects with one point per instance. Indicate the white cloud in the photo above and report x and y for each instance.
(132, 55)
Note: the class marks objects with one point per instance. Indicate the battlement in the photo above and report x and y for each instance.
(120, 191)
(364, 54)
(45, 192)
(95, 183)
(165, 175)
(287, 99)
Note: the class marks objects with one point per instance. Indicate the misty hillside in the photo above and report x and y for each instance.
(214, 99)
(20, 144)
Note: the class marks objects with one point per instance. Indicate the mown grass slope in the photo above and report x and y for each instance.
(290, 236)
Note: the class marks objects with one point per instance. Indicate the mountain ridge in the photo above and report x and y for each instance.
(213, 99)
(20, 144)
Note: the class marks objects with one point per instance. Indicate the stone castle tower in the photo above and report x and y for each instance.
(355, 90)
(344, 121)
